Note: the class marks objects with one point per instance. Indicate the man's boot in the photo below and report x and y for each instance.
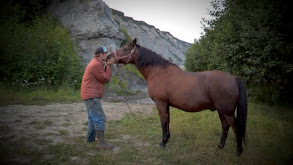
(101, 141)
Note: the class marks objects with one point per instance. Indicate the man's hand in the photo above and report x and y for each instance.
(110, 61)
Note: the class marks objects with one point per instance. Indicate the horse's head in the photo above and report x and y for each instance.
(125, 55)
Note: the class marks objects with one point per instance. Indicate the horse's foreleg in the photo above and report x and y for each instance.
(225, 129)
(164, 113)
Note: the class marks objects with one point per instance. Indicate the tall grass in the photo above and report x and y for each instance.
(38, 95)
(195, 137)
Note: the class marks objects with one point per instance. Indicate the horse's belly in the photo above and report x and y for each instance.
(193, 106)
(190, 97)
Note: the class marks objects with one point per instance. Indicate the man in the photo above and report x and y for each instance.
(93, 82)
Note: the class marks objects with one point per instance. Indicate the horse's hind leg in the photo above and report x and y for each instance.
(232, 122)
(164, 113)
(225, 129)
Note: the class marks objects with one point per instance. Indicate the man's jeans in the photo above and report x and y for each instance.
(96, 117)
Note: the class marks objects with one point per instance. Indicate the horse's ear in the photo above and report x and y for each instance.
(134, 41)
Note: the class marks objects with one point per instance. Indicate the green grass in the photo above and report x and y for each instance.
(37, 95)
(194, 140)
(195, 136)
(41, 125)
(63, 132)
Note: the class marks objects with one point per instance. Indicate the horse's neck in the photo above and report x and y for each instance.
(150, 71)
(146, 71)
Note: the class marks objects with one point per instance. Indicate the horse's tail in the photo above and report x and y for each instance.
(241, 110)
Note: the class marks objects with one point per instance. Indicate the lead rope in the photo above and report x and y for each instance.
(118, 71)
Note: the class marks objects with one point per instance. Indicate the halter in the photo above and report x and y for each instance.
(116, 61)
(127, 56)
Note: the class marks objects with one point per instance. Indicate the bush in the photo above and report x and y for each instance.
(251, 40)
(133, 70)
(38, 53)
(127, 36)
(117, 86)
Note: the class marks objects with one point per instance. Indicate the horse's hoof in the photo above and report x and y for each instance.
(220, 146)
(239, 151)
(162, 145)
(238, 154)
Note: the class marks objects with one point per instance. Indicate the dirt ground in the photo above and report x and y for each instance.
(46, 123)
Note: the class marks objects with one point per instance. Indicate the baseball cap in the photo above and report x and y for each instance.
(100, 49)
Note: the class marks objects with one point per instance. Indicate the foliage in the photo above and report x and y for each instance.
(251, 39)
(37, 53)
(133, 70)
(117, 85)
(25, 8)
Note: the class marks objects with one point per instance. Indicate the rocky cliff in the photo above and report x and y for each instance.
(93, 23)
(150, 37)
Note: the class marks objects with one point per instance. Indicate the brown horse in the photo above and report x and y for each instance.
(168, 85)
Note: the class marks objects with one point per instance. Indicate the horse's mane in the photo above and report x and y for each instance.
(147, 57)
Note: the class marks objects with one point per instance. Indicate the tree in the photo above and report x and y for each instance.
(251, 39)
(34, 48)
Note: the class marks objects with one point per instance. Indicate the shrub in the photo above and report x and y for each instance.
(39, 53)
(117, 86)
(248, 39)
(128, 38)
(133, 70)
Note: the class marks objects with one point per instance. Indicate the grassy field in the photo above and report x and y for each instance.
(195, 136)
(37, 95)
(194, 140)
